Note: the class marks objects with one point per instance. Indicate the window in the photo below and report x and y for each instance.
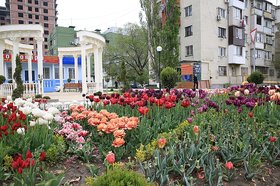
(29, 1)
(188, 11)
(31, 39)
(268, 23)
(20, 14)
(30, 8)
(222, 32)
(9, 73)
(30, 16)
(45, 11)
(46, 32)
(222, 51)
(188, 31)
(259, 54)
(246, 3)
(45, 3)
(222, 12)
(267, 55)
(259, 38)
(189, 50)
(71, 73)
(222, 71)
(46, 73)
(37, 23)
(30, 22)
(259, 5)
(46, 25)
(246, 20)
(46, 46)
(268, 40)
(19, 0)
(36, 16)
(46, 18)
(259, 20)
(36, 9)
(238, 13)
(45, 39)
(20, 22)
(56, 73)
(20, 7)
(244, 71)
(238, 33)
(267, 7)
(271, 72)
(239, 50)
(36, 2)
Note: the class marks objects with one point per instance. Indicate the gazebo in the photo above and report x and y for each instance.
(90, 43)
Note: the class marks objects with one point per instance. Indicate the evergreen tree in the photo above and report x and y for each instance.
(18, 92)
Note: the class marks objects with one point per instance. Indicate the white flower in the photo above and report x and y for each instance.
(37, 112)
(48, 116)
(53, 110)
(25, 110)
(57, 118)
(21, 131)
(19, 102)
(29, 100)
(246, 92)
(32, 123)
(9, 98)
(41, 121)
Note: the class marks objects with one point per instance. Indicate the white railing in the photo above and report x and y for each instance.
(30, 89)
(91, 87)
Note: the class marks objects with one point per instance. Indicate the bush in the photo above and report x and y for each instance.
(2, 79)
(256, 77)
(18, 92)
(38, 96)
(69, 80)
(46, 97)
(169, 77)
(121, 177)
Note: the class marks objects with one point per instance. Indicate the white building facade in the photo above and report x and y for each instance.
(216, 36)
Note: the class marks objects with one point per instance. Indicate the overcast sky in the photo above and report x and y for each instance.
(98, 14)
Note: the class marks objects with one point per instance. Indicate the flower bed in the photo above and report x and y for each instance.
(177, 137)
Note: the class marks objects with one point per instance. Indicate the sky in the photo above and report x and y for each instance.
(98, 14)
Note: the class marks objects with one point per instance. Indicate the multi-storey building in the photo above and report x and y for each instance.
(216, 39)
(33, 12)
(3, 15)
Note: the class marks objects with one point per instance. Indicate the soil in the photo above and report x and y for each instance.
(76, 172)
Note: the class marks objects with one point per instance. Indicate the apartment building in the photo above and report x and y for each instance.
(33, 12)
(215, 39)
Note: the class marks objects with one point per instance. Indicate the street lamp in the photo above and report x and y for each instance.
(159, 49)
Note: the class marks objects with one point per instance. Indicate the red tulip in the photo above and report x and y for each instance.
(143, 110)
(272, 139)
(169, 105)
(195, 129)
(251, 114)
(28, 154)
(185, 103)
(110, 158)
(42, 156)
(229, 165)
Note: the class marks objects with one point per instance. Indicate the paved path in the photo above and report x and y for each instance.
(65, 96)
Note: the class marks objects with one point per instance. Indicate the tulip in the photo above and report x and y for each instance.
(229, 165)
(195, 129)
(118, 142)
(251, 114)
(42, 156)
(190, 120)
(161, 142)
(110, 158)
(272, 139)
(237, 94)
(28, 154)
(21, 131)
(246, 92)
(143, 110)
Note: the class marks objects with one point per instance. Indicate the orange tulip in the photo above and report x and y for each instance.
(161, 142)
(118, 142)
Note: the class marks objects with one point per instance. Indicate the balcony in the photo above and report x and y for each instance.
(236, 59)
(268, 47)
(237, 4)
(267, 15)
(255, 11)
(267, 30)
(258, 45)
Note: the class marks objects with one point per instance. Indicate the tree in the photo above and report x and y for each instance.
(276, 60)
(17, 92)
(129, 46)
(123, 76)
(165, 35)
(256, 77)
(169, 77)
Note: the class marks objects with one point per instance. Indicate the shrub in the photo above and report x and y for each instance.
(55, 152)
(2, 79)
(17, 93)
(46, 97)
(38, 96)
(169, 77)
(120, 177)
(256, 77)
(69, 80)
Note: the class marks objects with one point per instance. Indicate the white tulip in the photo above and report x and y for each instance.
(32, 123)
(48, 116)
(25, 110)
(21, 131)
(41, 121)
(37, 112)
(9, 98)
(53, 110)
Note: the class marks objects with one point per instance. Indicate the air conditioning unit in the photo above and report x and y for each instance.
(218, 18)
(226, 1)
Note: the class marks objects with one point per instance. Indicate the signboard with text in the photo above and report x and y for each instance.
(24, 58)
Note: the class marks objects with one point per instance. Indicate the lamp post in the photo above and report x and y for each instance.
(159, 49)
